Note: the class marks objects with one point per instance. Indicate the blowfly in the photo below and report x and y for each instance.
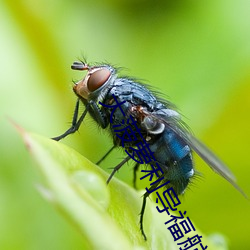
(116, 103)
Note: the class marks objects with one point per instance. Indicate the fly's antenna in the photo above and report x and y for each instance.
(80, 66)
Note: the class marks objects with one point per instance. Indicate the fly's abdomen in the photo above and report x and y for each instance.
(175, 158)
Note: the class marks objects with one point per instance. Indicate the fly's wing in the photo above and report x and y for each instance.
(175, 124)
(212, 160)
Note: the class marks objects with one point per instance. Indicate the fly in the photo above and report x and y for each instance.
(158, 121)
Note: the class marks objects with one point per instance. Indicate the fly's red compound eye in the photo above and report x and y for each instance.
(97, 79)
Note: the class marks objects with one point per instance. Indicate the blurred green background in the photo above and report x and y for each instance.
(196, 53)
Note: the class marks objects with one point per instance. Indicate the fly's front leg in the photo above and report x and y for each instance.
(98, 115)
(75, 123)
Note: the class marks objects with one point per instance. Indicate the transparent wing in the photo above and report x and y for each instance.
(175, 124)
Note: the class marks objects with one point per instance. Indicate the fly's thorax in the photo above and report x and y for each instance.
(92, 86)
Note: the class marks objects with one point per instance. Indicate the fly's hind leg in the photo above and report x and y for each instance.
(136, 167)
(144, 201)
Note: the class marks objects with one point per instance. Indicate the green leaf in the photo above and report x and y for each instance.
(106, 215)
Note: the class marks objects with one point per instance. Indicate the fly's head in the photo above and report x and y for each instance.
(95, 80)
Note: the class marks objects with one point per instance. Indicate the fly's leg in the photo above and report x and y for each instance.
(134, 173)
(117, 168)
(75, 124)
(99, 116)
(144, 201)
(105, 155)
